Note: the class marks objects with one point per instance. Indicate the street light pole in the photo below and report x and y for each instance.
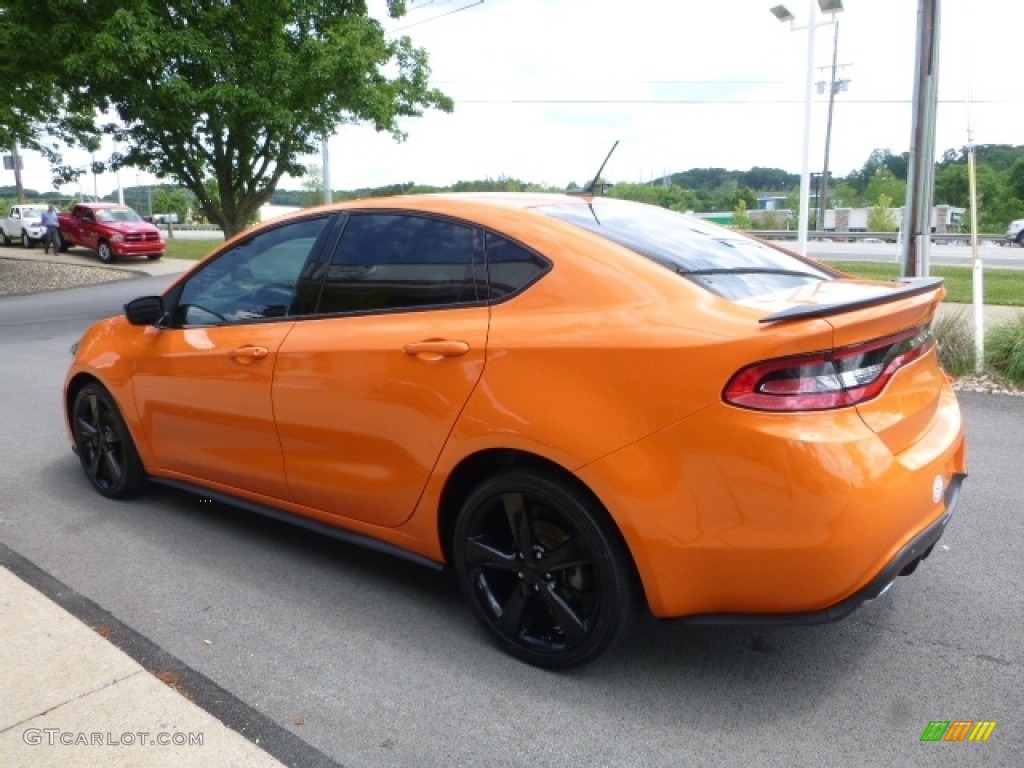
(805, 172)
(780, 12)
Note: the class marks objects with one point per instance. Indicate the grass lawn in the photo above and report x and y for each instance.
(180, 248)
(1001, 286)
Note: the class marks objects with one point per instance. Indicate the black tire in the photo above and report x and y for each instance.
(1020, 239)
(105, 446)
(62, 244)
(106, 255)
(7, 240)
(26, 241)
(153, 256)
(544, 569)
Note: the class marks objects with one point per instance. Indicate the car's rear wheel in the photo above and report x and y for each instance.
(153, 256)
(7, 240)
(544, 569)
(1020, 238)
(106, 255)
(104, 444)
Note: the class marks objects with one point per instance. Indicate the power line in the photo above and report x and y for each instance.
(717, 101)
(435, 18)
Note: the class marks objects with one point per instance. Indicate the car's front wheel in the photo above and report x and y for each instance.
(105, 445)
(544, 569)
(62, 244)
(105, 253)
(26, 241)
(1020, 238)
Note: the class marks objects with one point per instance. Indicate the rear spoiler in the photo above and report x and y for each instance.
(910, 286)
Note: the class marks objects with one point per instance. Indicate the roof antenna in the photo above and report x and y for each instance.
(589, 189)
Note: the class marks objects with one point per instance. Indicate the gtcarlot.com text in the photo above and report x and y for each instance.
(53, 737)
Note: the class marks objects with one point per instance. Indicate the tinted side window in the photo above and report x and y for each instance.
(510, 267)
(723, 261)
(400, 261)
(261, 277)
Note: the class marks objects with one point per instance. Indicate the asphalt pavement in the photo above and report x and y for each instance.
(79, 688)
(92, 692)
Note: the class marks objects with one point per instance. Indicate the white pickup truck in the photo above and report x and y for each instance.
(22, 223)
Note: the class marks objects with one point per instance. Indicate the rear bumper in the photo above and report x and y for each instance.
(903, 563)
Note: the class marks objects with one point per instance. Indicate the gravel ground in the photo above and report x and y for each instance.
(18, 276)
(21, 277)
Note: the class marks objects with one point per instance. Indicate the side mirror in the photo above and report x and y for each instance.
(147, 310)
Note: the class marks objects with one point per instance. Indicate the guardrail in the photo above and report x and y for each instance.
(960, 238)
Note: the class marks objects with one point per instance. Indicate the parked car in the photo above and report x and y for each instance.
(1015, 232)
(113, 231)
(581, 405)
(23, 223)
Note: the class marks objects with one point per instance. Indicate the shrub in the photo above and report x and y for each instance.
(1004, 349)
(955, 338)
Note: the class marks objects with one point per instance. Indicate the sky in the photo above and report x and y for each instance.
(543, 88)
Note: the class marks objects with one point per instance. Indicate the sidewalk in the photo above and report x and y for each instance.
(71, 698)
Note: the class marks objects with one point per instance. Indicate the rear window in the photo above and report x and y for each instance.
(725, 262)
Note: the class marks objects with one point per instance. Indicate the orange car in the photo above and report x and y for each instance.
(582, 405)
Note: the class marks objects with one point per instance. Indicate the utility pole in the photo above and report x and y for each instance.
(835, 86)
(917, 214)
(16, 160)
(326, 158)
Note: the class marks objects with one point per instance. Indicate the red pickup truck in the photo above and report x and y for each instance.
(112, 230)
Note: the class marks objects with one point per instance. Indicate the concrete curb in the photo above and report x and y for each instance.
(82, 688)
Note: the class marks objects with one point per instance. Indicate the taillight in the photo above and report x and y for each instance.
(823, 380)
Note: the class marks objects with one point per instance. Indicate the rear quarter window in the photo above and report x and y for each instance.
(724, 262)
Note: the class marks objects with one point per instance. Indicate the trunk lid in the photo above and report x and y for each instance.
(861, 311)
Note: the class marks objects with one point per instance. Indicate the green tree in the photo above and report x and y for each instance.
(951, 185)
(233, 92)
(845, 195)
(313, 186)
(884, 183)
(881, 218)
(740, 217)
(175, 200)
(773, 220)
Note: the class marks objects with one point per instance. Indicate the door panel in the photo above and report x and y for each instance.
(365, 404)
(204, 389)
(204, 398)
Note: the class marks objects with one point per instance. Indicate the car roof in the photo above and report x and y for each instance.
(446, 200)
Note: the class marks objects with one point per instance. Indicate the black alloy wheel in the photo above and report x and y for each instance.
(104, 445)
(544, 569)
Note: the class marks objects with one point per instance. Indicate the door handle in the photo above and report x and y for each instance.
(248, 354)
(435, 349)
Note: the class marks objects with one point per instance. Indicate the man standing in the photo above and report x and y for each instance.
(49, 221)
